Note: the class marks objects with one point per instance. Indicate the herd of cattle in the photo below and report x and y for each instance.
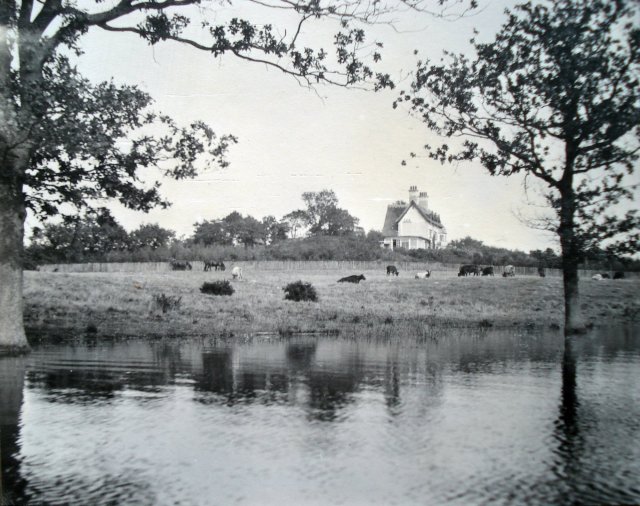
(392, 270)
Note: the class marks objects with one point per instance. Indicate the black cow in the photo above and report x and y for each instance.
(605, 275)
(214, 265)
(391, 269)
(618, 275)
(352, 279)
(180, 266)
(467, 270)
(541, 272)
(487, 271)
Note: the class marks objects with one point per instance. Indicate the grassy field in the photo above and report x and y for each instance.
(63, 305)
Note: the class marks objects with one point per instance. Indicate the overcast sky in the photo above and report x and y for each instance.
(292, 139)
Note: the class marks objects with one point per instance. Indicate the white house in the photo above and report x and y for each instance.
(413, 225)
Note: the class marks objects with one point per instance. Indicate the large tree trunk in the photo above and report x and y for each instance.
(12, 216)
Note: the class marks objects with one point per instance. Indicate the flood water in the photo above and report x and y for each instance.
(473, 418)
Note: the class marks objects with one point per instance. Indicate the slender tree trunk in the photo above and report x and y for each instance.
(571, 252)
(12, 216)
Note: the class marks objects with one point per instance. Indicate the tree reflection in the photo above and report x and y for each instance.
(217, 373)
(12, 485)
(392, 385)
(326, 389)
(300, 355)
(567, 428)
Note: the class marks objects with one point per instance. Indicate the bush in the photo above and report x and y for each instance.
(300, 291)
(217, 288)
(166, 302)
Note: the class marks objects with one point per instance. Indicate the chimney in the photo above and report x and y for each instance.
(423, 201)
(413, 194)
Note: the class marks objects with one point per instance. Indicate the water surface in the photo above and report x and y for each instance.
(482, 418)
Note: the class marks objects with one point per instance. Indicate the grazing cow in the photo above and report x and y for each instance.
(391, 269)
(541, 272)
(423, 275)
(487, 271)
(180, 266)
(236, 272)
(509, 271)
(215, 266)
(618, 275)
(352, 279)
(605, 275)
(467, 270)
(597, 277)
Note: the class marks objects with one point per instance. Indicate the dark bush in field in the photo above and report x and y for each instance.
(217, 288)
(300, 291)
(166, 302)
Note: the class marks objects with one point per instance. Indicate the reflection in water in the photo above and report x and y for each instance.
(492, 417)
(12, 484)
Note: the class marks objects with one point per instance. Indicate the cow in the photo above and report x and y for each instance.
(423, 275)
(236, 272)
(391, 270)
(605, 275)
(597, 277)
(487, 271)
(352, 279)
(509, 271)
(541, 272)
(180, 266)
(467, 270)
(214, 265)
(618, 275)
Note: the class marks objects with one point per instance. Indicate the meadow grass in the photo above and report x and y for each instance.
(124, 304)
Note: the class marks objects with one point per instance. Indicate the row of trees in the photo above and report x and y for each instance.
(96, 233)
(321, 217)
(98, 237)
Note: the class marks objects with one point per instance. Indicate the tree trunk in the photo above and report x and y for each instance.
(12, 216)
(571, 253)
(573, 320)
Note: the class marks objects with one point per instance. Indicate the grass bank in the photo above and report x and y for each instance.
(70, 305)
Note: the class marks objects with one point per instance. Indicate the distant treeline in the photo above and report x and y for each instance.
(101, 239)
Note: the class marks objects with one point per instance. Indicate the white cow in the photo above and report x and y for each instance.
(423, 275)
(509, 271)
(236, 272)
(597, 277)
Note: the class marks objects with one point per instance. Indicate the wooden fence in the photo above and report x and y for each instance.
(343, 266)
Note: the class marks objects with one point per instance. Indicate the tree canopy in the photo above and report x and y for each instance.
(323, 216)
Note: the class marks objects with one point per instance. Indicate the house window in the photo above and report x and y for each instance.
(404, 244)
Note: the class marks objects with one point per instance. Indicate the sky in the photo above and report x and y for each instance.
(293, 139)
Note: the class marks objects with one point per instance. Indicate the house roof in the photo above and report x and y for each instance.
(428, 217)
(396, 212)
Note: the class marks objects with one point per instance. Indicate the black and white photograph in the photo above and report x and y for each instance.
(319, 252)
